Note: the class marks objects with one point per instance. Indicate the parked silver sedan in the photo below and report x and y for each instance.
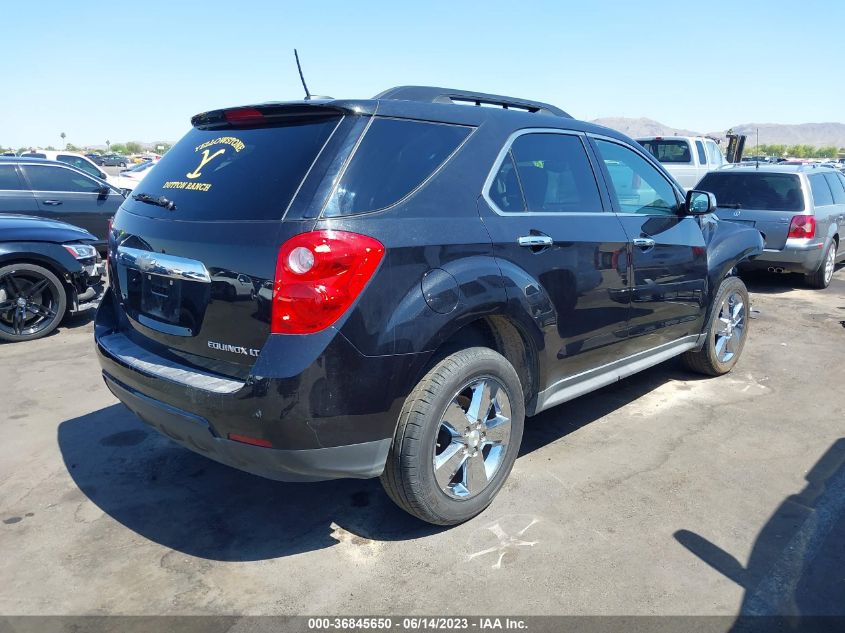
(799, 209)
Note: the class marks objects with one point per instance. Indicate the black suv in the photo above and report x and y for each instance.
(425, 274)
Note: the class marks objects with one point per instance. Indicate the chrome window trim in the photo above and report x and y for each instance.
(500, 158)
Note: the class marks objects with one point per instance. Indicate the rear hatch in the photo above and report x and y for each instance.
(767, 201)
(194, 248)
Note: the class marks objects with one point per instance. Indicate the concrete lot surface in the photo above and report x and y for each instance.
(664, 494)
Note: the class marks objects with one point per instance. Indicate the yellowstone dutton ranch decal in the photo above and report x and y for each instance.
(207, 156)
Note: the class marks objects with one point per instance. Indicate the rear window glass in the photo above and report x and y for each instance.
(676, 151)
(394, 158)
(34, 155)
(702, 158)
(234, 174)
(773, 192)
(9, 179)
(821, 192)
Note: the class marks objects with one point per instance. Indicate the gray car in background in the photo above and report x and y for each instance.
(799, 209)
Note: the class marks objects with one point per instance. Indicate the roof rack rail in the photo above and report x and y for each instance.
(431, 94)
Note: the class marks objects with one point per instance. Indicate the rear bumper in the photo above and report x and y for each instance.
(362, 460)
(797, 256)
(325, 410)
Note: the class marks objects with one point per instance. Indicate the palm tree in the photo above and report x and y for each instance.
(63, 135)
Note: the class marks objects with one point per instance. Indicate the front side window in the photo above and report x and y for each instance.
(639, 187)
(80, 163)
(715, 153)
(822, 196)
(702, 157)
(49, 178)
(553, 173)
(394, 158)
(9, 179)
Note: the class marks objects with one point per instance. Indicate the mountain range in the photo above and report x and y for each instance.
(818, 134)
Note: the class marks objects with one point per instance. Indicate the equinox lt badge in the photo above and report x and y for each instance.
(234, 349)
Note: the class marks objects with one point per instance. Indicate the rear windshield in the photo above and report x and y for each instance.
(676, 151)
(234, 174)
(394, 158)
(772, 192)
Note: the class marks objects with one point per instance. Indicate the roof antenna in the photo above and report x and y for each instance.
(301, 78)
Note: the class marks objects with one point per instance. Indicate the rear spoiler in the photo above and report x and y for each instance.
(265, 114)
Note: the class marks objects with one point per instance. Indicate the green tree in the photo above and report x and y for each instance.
(119, 148)
(72, 148)
(134, 148)
(50, 148)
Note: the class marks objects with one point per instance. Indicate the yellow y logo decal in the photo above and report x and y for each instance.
(205, 158)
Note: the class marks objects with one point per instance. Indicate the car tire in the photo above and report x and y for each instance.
(458, 436)
(19, 280)
(727, 331)
(820, 279)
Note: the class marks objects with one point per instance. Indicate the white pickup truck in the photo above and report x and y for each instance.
(687, 158)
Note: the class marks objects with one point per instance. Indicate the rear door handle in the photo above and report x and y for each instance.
(52, 203)
(645, 243)
(534, 241)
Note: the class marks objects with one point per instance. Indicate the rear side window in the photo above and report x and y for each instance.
(9, 179)
(836, 187)
(395, 157)
(822, 196)
(702, 157)
(49, 178)
(668, 151)
(33, 155)
(762, 191)
(715, 153)
(234, 174)
(553, 173)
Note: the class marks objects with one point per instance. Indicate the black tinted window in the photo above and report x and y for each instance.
(821, 192)
(234, 174)
(639, 186)
(9, 179)
(554, 173)
(773, 192)
(668, 151)
(836, 187)
(702, 157)
(394, 158)
(49, 178)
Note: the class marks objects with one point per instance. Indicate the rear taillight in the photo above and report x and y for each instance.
(802, 226)
(318, 276)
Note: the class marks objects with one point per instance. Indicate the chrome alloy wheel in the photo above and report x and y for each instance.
(473, 437)
(730, 327)
(830, 263)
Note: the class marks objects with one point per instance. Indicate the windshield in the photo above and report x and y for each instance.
(234, 174)
(666, 151)
(773, 192)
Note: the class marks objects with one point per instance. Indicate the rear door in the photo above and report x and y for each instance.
(195, 276)
(668, 254)
(15, 196)
(837, 187)
(70, 196)
(551, 227)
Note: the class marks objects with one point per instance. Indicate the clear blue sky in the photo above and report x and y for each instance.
(138, 69)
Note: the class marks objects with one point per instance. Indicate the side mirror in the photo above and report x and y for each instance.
(700, 202)
(103, 175)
